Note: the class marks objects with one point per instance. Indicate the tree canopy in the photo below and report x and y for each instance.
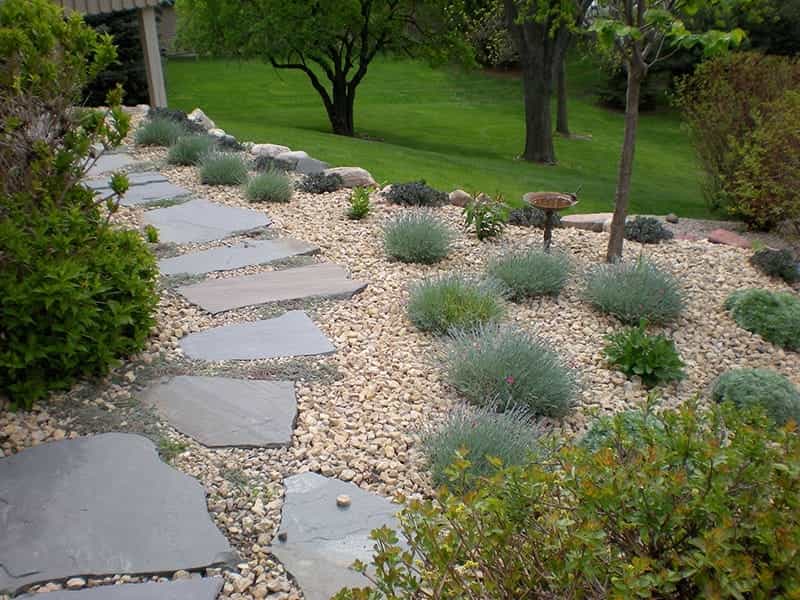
(332, 41)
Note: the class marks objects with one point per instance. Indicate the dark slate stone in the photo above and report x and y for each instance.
(291, 334)
(226, 258)
(323, 540)
(203, 221)
(100, 505)
(318, 280)
(220, 412)
(187, 589)
(110, 162)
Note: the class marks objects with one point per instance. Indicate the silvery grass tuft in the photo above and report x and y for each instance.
(417, 237)
(223, 168)
(269, 186)
(159, 132)
(479, 435)
(189, 150)
(528, 273)
(510, 368)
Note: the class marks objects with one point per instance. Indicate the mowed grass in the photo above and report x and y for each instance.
(450, 127)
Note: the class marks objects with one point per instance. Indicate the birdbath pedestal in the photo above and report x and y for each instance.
(550, 203)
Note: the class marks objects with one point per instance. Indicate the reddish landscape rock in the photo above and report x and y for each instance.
(728, 238)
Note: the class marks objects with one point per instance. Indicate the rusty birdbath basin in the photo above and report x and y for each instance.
(550, 203)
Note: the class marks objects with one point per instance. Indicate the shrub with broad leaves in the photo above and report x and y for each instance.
(651, 357)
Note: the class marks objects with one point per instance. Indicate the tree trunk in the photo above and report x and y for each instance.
(537, 83)
(340, 111)
(562, 121)
(636, 73)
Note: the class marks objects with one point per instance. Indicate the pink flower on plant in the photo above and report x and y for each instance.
(510, 380)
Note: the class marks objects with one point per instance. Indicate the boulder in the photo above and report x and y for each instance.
(728, 238)
(460, 198)
(671, 218)
(589, 222)
(270, 150)
(353, 176)
(199, 117)
(217, 132)
(302, 162)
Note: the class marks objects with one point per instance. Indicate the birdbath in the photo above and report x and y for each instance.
(550, 203)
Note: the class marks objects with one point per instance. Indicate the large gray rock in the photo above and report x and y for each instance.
(319, 280)
(188, 589)
(353, 176)
(226, 258)
(291, 334)
(203, 221)
(199, 117)
(302, 163)
(221, 412)
(323, 540)
(100, 505)
(270, 150)
(110, 162)
(145, 188)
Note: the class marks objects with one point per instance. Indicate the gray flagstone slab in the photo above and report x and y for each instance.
(100, 505)
(203, 221)
(207, 588)
(221, 412)
(323, 540)
(144, 188)
(274, 286)
(104, 183)
(291, 334)
(226, 258)
(110, 162)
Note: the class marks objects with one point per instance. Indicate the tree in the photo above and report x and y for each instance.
(332, 41)
(541, 29)
(644, 32)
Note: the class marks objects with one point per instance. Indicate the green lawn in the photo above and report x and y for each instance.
(449, 127)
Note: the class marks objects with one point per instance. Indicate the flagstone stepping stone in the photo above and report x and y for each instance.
(274, 286)
(207, 588)
(100, 505)
(220, 412)
(226, 258)
(145, 188)
(203, 221)
(322, 538)
(291, 334)
(110, 162)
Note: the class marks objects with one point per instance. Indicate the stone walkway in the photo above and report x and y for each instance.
(107, 505)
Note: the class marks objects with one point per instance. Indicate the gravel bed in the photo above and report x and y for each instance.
(360, 408)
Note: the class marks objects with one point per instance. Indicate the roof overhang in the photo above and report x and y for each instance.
(98, 7)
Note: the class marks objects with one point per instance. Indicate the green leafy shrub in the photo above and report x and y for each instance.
(321, 183)
(530, 273)
(416, 237)
(269, 186)
(151, 233)
(702, 505)
(652, 357)
(647, 230)
(222, 168)
(775, 316)
(75, 296)
(445, 303)
(359, 203)
(485, 435)
(628, 424)
(634, 291)
(770, 390)
(415, 193)
(509, 368)
(159, 132)
(530, 216)
(486, 216)
(726, 99)
(763, 190)
(777, 263)
(189, 149)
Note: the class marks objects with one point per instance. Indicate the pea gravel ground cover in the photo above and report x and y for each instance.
(360, 409)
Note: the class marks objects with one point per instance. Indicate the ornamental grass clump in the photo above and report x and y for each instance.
(269, 186)
(223, 168)
(773, 392)
(510, 368)
(478, 435)
(775, 316)
(188, 150)
(529, 273)
(447, 303)
(159, 132)
(633, 291)
(416, 237)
